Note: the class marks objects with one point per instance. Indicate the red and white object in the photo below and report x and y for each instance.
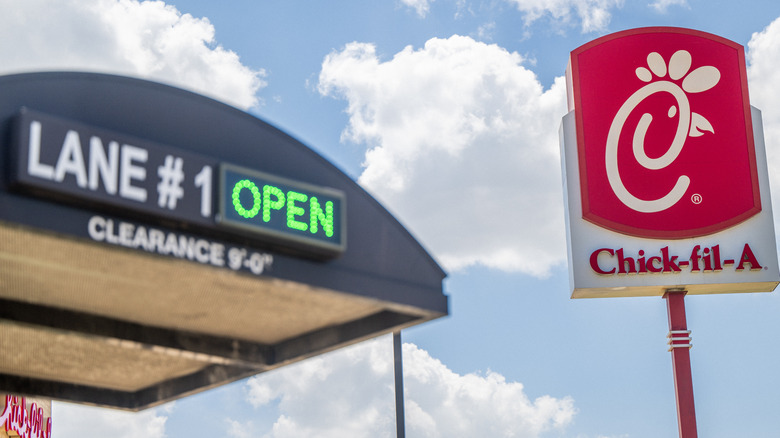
(664, 168)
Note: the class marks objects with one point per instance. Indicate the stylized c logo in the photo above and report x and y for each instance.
(683, 126)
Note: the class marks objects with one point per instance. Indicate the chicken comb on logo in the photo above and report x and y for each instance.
(664, 133)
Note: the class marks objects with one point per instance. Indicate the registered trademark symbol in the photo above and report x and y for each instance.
(696, 198)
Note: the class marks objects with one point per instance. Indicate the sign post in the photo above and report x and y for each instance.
(665, 170)
(680, 345)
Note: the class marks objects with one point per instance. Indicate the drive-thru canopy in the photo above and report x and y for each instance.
(155, 243)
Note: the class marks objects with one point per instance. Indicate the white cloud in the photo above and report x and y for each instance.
(486, 31)
(80, 421)
(462, 8)
(763, 56)
(144, 39)
(663, 5)
(350, 393)
(421, 7)
(594, 15)
(462, 145)
(345, 393)
(237, 429)
(474, 405)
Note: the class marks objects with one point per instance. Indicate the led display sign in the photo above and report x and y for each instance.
(78, 163)
(281, 208)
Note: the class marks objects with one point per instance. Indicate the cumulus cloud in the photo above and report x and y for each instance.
(594, 15)
(486, 31)
(144, 39)
(663, 5)
(345, 393)
(350, 393)
(462, 144)
(763, 56)
(445, 404)
(69, 421)
(421, 7)
(237, 429)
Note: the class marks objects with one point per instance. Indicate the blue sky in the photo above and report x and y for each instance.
(447, 111)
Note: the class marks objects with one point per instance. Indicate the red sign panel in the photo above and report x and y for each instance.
(664, 133)
(26, 424)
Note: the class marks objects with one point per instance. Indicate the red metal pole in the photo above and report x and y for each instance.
(680, 344)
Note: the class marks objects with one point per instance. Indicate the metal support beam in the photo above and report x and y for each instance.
(212, 349)
(209, 377)
(223, 359)
(333, 337)
(400, 424)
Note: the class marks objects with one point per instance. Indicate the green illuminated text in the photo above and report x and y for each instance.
(299, 211)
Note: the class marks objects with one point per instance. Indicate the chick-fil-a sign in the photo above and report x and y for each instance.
(664, 133)
(27, 424)
(665, 168)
